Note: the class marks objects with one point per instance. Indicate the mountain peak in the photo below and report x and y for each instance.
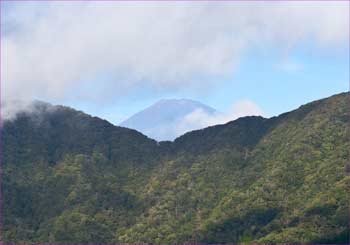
(161, 120)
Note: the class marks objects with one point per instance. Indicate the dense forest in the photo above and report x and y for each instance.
(69, 178)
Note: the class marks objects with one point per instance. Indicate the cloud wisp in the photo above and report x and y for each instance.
(200, 119)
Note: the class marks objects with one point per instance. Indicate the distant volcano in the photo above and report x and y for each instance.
(164, 119)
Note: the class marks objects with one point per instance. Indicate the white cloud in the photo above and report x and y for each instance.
(10, 110)
(200, 119)
(57, 50)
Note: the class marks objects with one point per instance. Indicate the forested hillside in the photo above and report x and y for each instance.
(69, 178)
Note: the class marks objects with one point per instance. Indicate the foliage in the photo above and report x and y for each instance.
(70, 179)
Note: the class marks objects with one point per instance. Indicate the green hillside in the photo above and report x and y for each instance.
(69, 178)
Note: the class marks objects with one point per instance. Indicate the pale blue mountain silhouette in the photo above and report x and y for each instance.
(161, 120)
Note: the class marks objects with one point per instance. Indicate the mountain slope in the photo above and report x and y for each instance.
(73, 179)
(163, 120)
(56, 159)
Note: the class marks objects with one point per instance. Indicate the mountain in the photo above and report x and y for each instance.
(166, 119)
(69, 178)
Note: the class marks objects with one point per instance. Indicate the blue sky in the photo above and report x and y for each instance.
(112, 60)
(277, 84)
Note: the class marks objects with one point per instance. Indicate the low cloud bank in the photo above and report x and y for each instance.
(200, 119)
(242, 108)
